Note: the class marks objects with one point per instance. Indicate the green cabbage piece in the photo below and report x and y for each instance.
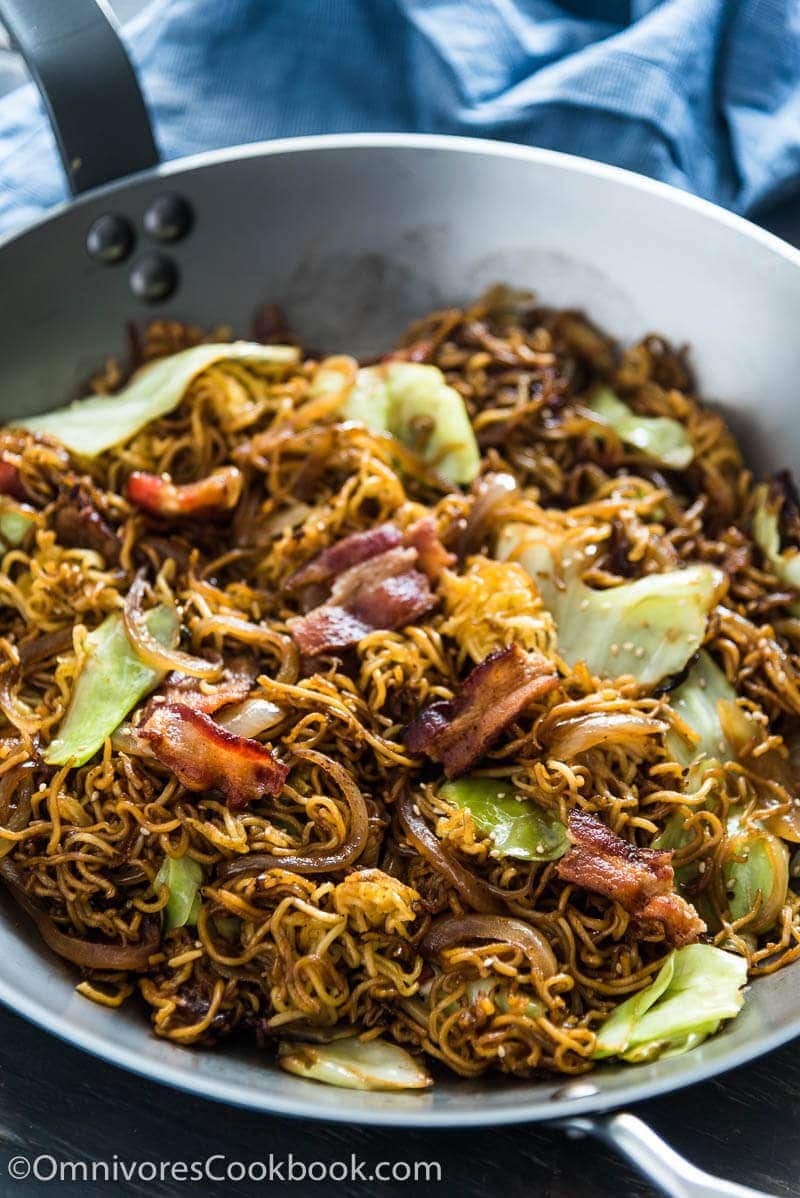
(500, 994)
(414, 403)
(767, 535)
(92, 425)
(355, 1064)
(697, 701)
(183, 877)
(518, 828)
(14, 524)
(696, 988)
(111, 683)
(663, 439)
(648, 628)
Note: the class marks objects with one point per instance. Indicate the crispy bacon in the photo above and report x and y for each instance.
(157, 494)
(432, 557)
(382, 592)
(350, 551)
(78, 523)
(458, 731)
(640, 880)
(235, 685)
(11, 481)
(204, 756)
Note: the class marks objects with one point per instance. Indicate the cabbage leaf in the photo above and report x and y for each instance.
(413, 403)
(112, 681)
(90, 426)
(767, 535)
(696, 988)
(355, 1064)
(517, 827)
(183, 877)
(697, 700)
(663, 439)
(649, 627)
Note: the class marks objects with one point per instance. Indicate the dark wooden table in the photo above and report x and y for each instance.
(61, 1105)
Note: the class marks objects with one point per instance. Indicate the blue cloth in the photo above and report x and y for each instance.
(704, 94)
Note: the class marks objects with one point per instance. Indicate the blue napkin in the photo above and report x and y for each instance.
(704, 94)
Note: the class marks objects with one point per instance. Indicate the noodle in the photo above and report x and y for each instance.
(321, 905)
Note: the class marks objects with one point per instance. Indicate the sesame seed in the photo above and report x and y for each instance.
(501, 1051)
(639, 652)
(584, 603)
(627, 646)
(614, 649)
(701, 867)
(540, 848)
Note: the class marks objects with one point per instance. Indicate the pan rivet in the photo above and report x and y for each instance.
(168, 218)
(153, 277)
(110, 238)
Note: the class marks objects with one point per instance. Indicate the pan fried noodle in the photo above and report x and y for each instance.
(361, 724)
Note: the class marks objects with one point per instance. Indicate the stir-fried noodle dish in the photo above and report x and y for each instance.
(437, 712)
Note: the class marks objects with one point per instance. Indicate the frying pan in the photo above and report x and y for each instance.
(355, 235)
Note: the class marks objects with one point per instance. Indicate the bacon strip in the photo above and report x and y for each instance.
(350, 551)
(640, 880)
(457, 732)
(382, 592)
(204, 756)
(157, 494)
(11, 481)
(432, 557)
(235, 685)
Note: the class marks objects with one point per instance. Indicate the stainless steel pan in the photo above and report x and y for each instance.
(354, 235)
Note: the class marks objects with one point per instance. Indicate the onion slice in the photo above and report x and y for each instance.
(321, 861)
(488, 492)
(150, 650)
(580, 733)
(499, 929)
(249, 718)
(86, 953)
(473, 891)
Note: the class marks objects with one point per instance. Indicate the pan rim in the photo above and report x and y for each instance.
(555, 159)
(536, 1110)
(99, 1043)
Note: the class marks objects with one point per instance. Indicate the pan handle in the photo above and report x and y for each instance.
(654, 1159)
(74, 53)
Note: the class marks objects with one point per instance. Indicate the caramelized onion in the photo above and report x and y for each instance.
(15, 709)
(473, 890)
(251, 717)
(489, 491)
(499, 929)
(312, 862)
(151, 651)
(16, 784)
(254, 634)
(576, 735)
(89, 954)
(41, 648)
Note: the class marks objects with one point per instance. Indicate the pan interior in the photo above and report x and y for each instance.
(355, 236)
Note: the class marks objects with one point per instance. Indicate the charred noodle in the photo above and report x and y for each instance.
(323, 876)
